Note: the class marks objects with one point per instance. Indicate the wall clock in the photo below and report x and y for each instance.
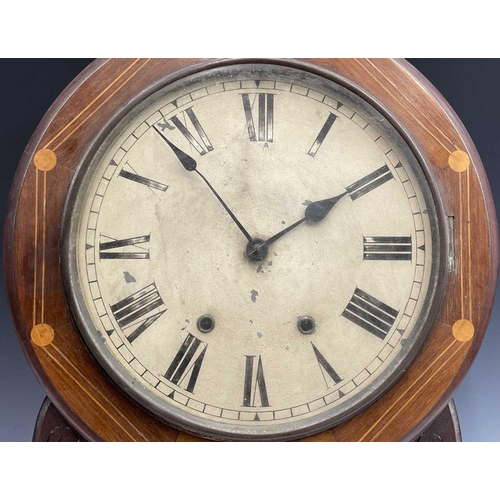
(251, 250)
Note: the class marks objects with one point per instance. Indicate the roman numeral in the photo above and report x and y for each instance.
(129, 242)
(322, 134)
(250, 387)
(142, 180)
(133, 312)
(370, 182)
(202, 144)
(370, 313)
(265, 122)
(325, 367)
(185, 363)
(386, 247)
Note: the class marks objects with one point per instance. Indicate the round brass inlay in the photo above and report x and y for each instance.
(42, 334)
(45, 159)
(463, 330)
(459, 161)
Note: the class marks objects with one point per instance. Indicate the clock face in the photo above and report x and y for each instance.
(252, 253)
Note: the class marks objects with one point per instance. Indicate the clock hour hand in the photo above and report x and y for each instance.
(315, 212)
(190, 165)
(318, 210)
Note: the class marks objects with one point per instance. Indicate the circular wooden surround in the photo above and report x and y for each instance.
(98, 97)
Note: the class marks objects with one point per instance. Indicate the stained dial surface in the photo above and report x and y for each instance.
(256, 249)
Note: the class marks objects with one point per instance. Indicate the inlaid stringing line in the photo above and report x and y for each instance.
(469, 246)
(36, 247)
(91, 103)
(461, 243)
(44, 225)
(417, 109)
(408, 110)
(403, 395)
(60, 353)
(101, 104)
(410, 399)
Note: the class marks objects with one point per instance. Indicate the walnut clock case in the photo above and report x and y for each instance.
(250, 250)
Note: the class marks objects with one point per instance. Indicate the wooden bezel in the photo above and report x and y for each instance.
(96, 99)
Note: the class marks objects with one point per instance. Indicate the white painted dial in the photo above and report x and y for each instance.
(280, 212)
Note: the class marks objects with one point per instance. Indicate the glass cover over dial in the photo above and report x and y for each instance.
(252, 253)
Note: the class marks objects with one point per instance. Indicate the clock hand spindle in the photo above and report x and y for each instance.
(190, 165)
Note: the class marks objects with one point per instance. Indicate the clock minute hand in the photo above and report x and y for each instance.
(190, 165)
(238, 223)
(315, 212)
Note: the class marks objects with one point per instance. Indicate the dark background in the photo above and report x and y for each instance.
(29, 86)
